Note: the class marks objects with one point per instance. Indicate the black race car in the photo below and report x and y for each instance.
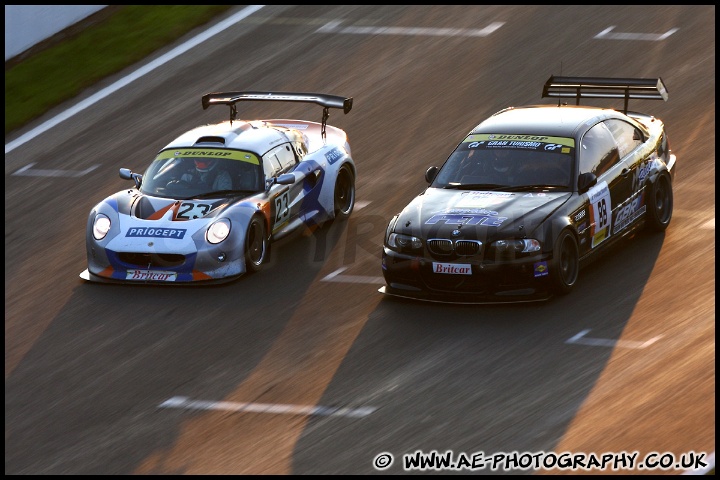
(532, 194)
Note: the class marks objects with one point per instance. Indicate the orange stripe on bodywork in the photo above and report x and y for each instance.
(198, 275)
(266, 210)
(159, 214)
(107, 272)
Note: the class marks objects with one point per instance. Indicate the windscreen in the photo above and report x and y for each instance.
(496, 161)
(187, 172)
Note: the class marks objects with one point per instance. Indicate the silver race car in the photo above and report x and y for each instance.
(213, 200)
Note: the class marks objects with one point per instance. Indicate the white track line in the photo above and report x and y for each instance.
(334, 27)
(603, 342)
(336, 277)
(186, 403)
(653, 37)
(230, 21)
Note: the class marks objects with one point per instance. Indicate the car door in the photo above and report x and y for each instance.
(598, 153)
(285, 200)
(629, 139)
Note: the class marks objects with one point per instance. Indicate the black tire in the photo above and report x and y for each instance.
(565, 266)
(344, 198)
(257, 245)
(660, 204)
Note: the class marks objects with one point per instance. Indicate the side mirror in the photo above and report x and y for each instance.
(585, 181)
(286, 179)
(127, 174)
(431, 173)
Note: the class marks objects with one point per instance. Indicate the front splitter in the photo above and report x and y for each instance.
(513, 300)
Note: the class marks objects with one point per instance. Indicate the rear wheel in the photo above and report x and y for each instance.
(344, 198)
(660, 204)
(566, 263)
(257, 245)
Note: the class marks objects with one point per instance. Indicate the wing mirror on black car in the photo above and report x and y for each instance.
(430, 174)
(585, 181)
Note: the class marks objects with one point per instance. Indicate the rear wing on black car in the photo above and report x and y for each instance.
(597, 87)
(324, 100)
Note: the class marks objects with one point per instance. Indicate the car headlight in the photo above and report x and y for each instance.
(101, 226)
(516, 246)
(401, 241)
(218, 231)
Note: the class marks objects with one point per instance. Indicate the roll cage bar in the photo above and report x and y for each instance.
(598, 87)
(324, 100)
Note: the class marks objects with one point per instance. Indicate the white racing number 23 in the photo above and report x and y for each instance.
(282, 207)
(191, 211)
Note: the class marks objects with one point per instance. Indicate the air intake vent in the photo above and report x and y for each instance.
(467, 248)
(462, 248)
(219, 140)
(440, 246)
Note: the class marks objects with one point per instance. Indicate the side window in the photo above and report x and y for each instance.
(271, 164)
(286, 156)
(598, 151)
(300, 149)
(298, 142)
(627, 137)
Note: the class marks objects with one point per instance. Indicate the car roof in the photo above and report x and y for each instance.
(559, 121)
(251, 136)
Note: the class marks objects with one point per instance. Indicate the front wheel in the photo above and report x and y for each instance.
(566, 263)
(344, 198)
(660, 204)
(257, 245)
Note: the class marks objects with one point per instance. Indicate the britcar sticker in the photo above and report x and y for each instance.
(157, 276)
(452, 268)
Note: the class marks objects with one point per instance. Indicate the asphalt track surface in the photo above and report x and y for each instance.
(305, 368)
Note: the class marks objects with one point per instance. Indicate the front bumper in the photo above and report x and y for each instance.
(152, 267)
(487, 282)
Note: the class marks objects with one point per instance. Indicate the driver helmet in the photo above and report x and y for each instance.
(205, 164)
(501, 161)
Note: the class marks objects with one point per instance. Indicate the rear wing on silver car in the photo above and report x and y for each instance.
(597, 87)
(324, 100)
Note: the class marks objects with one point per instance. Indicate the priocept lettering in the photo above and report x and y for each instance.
(177, 233)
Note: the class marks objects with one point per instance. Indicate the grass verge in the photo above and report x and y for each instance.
(43, 80)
